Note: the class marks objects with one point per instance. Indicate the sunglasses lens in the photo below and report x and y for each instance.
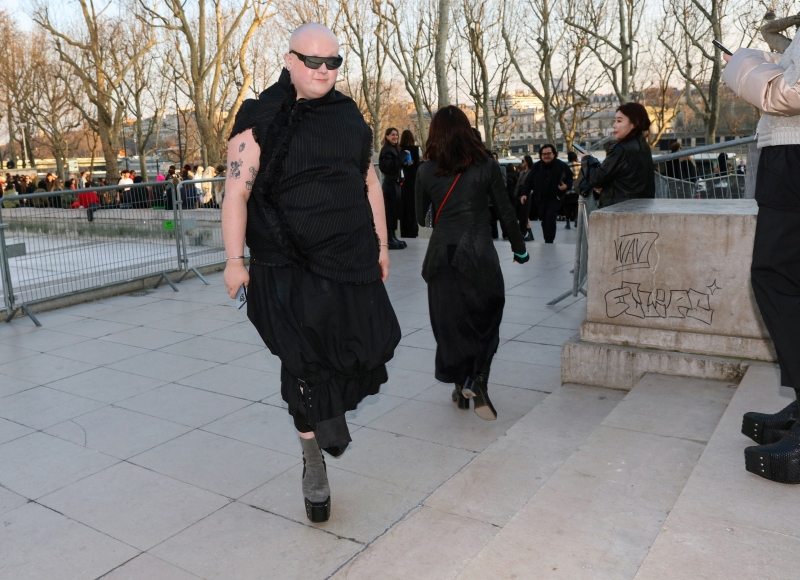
(314, 62)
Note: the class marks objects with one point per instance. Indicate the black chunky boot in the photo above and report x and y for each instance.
(779, 462)
(460, 399)
(316, 491)
(528, 236)
(765, 429)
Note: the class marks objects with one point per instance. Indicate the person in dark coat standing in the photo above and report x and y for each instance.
(627, 172)
(408, 219)
(391, 165)
(524, 197)
(466, 294)
(550, 179)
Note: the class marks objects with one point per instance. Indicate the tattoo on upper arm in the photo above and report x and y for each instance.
(249, 184)
(236, 167)
(241, 147)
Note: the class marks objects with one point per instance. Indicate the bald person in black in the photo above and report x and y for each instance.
(302, 193)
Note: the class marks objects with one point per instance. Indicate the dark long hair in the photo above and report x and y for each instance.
(639, 119)
(528, 161)
(407, 140)
(452, 143)
(386, 134)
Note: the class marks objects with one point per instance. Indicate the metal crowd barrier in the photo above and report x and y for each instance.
(703, 172)
(60, 243)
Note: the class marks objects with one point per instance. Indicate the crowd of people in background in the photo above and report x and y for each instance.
(131, 195)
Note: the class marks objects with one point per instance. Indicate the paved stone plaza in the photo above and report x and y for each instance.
(143, 437)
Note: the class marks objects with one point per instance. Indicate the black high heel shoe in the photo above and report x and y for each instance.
(765, 429)
(478, 390)
(458, 398)
(779, 462)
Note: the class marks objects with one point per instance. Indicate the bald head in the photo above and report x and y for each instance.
(311, 39)
(313, 33)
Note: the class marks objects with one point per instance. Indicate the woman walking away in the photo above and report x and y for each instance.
(408, 219)
(524, 196)
(627, 172)
(391, 165)
(466, 294)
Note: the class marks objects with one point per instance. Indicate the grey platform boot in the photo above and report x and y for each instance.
(316, 491)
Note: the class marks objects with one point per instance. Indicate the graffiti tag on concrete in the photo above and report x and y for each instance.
(632, 251)
(631, 300)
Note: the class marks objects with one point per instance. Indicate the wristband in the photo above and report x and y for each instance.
(236, 258)
(521, 256)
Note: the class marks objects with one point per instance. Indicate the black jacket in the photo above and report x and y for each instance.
(626, 173)
(390, 163)
(462, 237)
(544, 179)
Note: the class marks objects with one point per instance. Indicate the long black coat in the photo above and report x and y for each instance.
(462, 237)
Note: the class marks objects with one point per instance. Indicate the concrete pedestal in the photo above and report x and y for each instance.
(670, 276)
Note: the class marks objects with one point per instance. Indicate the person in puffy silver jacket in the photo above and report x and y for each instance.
(771, 82)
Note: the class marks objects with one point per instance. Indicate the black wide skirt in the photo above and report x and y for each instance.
(336, 338)
(465, 318)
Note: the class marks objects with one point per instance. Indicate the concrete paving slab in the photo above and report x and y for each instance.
(219, 464)
(184, 405)
(227, 313)
(684, 407)
(11, 352)
(525, 376)
(243, 332)
(173, 306)
(262, 360)
(451, 426)
(609, 500)
(245, 543)
(134, 505)
(373, 407)
(98, 352)
(106, 385)
(117, 432)
(146, 337)
(499, 481)
(262, 425)
(235, 381)
(10, 431)
(48, 368)
(362, 508)
(387, 456)
(92, 328)
(149, 567)
(426, 545)
(412, 319)
(42, 407)
(212, 349)
(406, 357)
(546, 335)
(133, 316)
(162, 365)
(37, 464)
(10, 500)
(190, 324)
(420, 339)
(525, 316)
(694, 546)
(43, 340)
(407, 383)
(526, 352)
(511, 330)
(11, 385)
(36, 542)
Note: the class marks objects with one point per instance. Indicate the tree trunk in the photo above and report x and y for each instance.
(440, 61)
(11, 150)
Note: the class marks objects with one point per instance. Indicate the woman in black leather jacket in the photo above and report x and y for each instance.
(391, 164)
(627, 172)
(466, 294)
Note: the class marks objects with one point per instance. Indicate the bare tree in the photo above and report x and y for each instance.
(613, 27)
(699, 63)
(210, 30)
(538, 50)
(440, 60)
(407, 36)
(89, 46)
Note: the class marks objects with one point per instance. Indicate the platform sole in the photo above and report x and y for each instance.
(318, 512)
(778, 468)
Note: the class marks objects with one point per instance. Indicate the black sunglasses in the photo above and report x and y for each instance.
(314, 62)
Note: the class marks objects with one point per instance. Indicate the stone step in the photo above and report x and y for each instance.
(437, 540)
(728, 523)
(599, 513)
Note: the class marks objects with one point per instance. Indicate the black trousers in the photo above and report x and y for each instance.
(391, 195)
(775, 276)
(523, 209)
(548, 213)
